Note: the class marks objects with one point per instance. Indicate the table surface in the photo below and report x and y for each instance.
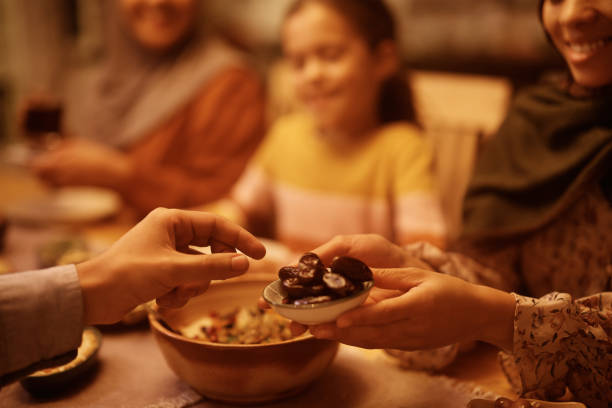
(131, 371)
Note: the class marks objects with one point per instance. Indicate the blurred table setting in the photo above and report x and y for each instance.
(130, 369)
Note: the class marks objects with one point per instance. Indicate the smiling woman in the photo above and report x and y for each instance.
(537, 221)
(582, 32)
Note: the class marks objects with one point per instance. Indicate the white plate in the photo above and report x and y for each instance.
(314, 313)
(66, 205)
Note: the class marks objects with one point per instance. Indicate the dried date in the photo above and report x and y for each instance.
(351, 268)
(311, 282)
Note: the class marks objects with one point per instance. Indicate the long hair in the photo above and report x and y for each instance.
(373, 21)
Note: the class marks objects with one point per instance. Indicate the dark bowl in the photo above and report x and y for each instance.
(57, 379)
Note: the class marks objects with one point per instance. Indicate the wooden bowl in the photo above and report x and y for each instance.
(238, 373)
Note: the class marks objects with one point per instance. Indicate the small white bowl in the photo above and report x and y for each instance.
(315, 313)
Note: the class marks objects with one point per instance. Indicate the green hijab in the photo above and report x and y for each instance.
(552, 145)
(549, 148)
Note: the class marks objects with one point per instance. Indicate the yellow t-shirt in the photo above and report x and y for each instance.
(314, 190)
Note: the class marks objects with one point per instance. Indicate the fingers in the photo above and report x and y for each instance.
(338, 246)
(326, 331)
(44, 162)
(378, 294)
(234, 236)
(193, 290)
(262, 304)
(372, 249)
(172, 299)
(189, 269)
(363, 336)
(399, 278)
(190, 251)
(297, 329)
(387, 308)
(54, 167)
(178, 297)
(201, 228)
(397, 335)
(383, 312)
(218, 246)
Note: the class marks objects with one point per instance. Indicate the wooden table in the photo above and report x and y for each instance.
(131, 371)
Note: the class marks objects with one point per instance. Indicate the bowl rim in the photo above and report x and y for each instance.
(157, 326)
(367, 286)
(209, 344)
(93, 353)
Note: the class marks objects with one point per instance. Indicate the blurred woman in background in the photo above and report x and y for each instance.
(169, 119)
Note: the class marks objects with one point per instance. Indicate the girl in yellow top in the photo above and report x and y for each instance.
(355, 160)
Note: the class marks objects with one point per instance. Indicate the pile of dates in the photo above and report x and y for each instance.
(311, 282)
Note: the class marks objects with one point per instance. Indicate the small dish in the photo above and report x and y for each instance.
(57, 378)
(313, 313)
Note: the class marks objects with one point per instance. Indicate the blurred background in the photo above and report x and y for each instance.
(495, 38)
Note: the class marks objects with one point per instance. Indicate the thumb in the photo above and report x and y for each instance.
(197, 268)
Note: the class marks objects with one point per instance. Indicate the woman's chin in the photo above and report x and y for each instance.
(588, 80)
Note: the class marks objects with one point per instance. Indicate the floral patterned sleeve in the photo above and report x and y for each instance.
(561, 342)
(495, 267)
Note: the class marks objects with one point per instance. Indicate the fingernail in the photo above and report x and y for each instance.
(321, 332)
(239, 262)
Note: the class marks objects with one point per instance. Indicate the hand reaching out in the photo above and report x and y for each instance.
(153, 261)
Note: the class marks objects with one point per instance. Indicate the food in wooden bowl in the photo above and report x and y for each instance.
(235, 371)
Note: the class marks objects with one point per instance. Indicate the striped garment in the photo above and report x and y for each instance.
(311, 190)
